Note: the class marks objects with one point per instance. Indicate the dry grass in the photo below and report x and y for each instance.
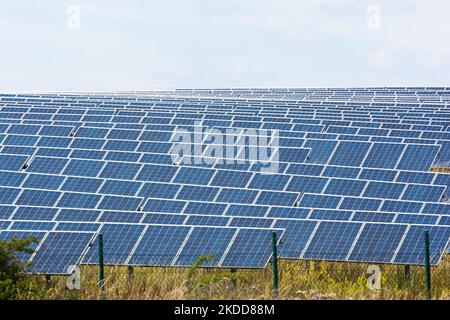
(440, 169)
(298, 280)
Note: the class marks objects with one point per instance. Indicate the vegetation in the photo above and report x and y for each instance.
(15, 283)
(298, 280)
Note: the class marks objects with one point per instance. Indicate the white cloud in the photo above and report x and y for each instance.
(203, 43)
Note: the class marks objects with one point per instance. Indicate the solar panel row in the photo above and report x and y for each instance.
(103, 163)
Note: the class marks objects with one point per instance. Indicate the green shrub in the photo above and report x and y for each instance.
(14, 280)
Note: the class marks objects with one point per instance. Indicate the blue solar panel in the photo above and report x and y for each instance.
(55, 142)
(33, 225)
(345, 187)
(23, 129)
(319, 201)
(416, 218)
(157, 173)
(301, 169)
(277, 198)
(423, 193)
(384, 190)
(41, 181)
(91, 132)
(79, 200)
(159, 245)
(123, 156)
(85, 143)
(418, 157)
(11, 179)
(78, 226)
(269, 181)
(357, 150)
(295, 155)
(85, 155)
(250, 249)
(360, 204)
(164, 218)
(295, 237)
(209, 220)
(323, 214)
(235, 179)
(157, 205)
(416, 177)
(306, 184)
(332, 241)
(38, 198)
(320, 150)
(237, 195)
(341, 172)
(47, 165)
(285, 212)
(20, 140)
(121, 216)
(123, 134)
(383, 156)
(204, 241)
(120, 203)
(377, 242)
(117, 187)
(60, 251)
(120, 170)
(197, 193)
(79, 184)
(204, 208)
(53, 152)
(401, 206)
(35, 213)
(371, 216)
(118, 240)
(78, 215)
(193, 175)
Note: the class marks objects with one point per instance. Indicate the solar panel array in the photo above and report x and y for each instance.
(359, 176)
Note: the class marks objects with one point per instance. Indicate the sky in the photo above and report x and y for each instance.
(101, 45)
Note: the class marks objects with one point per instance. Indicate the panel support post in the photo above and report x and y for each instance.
(427, 264)
(233, 278)
(101, 272)
(130, 274)
(48, 281)
(275, 265)
(407, 273)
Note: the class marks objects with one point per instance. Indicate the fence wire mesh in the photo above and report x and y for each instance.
(297, 280)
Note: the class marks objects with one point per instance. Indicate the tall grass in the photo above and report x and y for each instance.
(298, 280)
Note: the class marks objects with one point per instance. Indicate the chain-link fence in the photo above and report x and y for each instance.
(297, 279)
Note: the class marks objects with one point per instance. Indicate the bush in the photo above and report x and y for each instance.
(13, 277)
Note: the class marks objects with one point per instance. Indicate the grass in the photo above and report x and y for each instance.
(298, 280)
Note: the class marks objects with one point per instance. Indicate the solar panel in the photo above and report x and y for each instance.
(159, 246)
(353, 175)
(377, 242)
(332, 241)
(60, 251)
(118, 240)
(204, 241)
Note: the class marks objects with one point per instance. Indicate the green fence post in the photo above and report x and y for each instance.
(275, 264)
(407, 273)
(233, 278)
(48, 281)
(130, 275)
(427, 264)
(101, 272)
